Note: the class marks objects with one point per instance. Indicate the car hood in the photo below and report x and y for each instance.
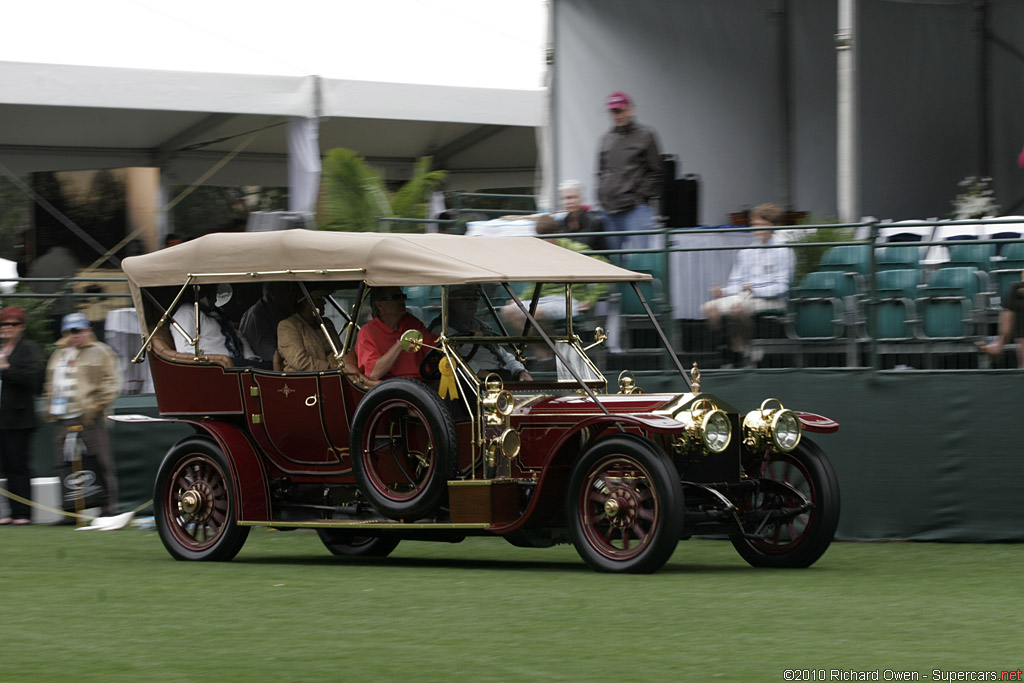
(615, 403)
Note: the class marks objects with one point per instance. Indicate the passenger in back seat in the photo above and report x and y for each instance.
(301, 342)
(259, 324)
(217, 336)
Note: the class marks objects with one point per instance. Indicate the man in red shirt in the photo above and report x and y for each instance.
(378, 348)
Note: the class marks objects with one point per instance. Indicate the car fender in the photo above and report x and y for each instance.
(247, 472)
(812, 422)
(554, 472)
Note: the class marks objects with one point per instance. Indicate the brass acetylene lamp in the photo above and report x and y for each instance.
(706, 428)
(777, 428)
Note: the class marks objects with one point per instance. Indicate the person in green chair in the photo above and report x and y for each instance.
(759, 281)
(1011, 323)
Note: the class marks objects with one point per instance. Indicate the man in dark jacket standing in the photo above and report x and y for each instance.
(20, 375)
(629, 175)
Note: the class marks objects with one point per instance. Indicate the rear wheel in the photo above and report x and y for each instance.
(625, 506)
(349, 544)
(403, 448)
(791, 521)
(195, 503)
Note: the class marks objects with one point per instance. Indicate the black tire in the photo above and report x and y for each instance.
(799, 541)
(195, 503)
(403, 448)
(346, 543)
(625, 506)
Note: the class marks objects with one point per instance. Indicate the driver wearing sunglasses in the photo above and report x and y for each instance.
(378, 348)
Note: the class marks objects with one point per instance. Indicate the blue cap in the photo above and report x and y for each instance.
(74, 321)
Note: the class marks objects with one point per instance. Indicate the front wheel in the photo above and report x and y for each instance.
(349, 544)
(792, 519)
(195, 503)
(625, 506)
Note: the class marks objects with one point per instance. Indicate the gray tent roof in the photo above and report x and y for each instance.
(69, 117)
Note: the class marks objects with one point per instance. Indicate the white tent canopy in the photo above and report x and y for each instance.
(60, 117)
(459, 80)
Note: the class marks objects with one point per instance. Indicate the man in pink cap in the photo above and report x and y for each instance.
(629, 175)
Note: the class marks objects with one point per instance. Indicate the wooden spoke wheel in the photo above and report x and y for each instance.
(625, 507)
(790, 526)
(195, 503)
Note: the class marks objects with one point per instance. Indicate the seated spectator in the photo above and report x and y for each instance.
(1011, 323)
(260, 323)
(379, 351)
(759, 281)
(551, 304)
(483, 359)
(218, 340)
(579, 218)
(301, 342)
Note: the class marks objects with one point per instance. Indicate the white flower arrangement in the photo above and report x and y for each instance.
(976, 201)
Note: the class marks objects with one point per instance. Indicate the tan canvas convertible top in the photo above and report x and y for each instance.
(377, 258)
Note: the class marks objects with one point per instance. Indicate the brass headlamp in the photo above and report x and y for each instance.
(778, 428)
(497, 401)
(706, 427)
(505, 445)
(498, 404)
(627, 383)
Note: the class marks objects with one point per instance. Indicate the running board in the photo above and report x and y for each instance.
(365, 524)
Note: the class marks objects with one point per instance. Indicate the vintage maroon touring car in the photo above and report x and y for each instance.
(622, 476)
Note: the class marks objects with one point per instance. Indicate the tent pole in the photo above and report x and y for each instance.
(983, 64)
(785, 107)
(550, 172)
(847, 167)
(304, 166)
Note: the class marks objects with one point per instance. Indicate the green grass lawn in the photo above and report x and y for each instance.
(114, 606)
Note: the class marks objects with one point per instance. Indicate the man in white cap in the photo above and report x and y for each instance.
(629, 174)
(82, 382)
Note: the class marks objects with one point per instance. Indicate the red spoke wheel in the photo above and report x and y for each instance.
(625, 506)
(195, 503)
(403, 448)
(786, 530)
(349, 544)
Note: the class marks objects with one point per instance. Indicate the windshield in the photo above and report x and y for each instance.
(527, 331)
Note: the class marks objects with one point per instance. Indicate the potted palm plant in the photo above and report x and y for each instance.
(355, 195)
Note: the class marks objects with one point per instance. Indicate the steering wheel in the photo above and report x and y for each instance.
(430, 366)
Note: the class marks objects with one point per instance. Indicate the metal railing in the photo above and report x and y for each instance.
(857, 341)
(684, 262)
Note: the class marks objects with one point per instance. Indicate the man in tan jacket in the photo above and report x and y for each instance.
(82, 382)
(301, 342)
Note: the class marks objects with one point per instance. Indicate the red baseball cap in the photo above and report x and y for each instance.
(619, 100)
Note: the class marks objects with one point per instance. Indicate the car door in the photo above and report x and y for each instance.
(285, 412)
